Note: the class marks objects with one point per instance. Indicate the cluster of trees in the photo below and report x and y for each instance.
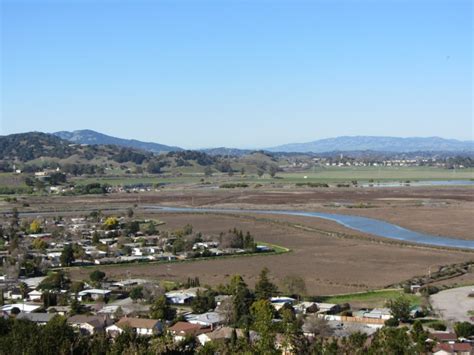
(33, 145)
(91, 189)
(236, 239)
(201, 158)
(131, 155)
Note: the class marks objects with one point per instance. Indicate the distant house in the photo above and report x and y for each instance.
(443, 337)
(378, 313)
(183, 296)
(180, 330)
(141, 326)
(23, 307)
(279, 302)
(89, 324)
(38, 318)
(93, 294)
(14, 294)
(456, 348)
(208, 319)
(224, 333)
(61, 310)
(35, 296)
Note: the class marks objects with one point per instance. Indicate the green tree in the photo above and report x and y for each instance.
(464, 329)
(392, 341)
(400, 308)
(67, 255)
(264, 288)
(203, 302)
(262, 315)
(137, 293)
(241, 300)
(419, 337)
(97, 276)
(273, 170)
(161, 309)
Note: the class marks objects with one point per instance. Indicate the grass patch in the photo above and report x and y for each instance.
(375, 298)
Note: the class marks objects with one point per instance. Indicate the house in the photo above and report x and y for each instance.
(443, 337)
(328, 308)
(38, 318)
(279, 302)
(14, 294)
(89, 324)
(35, 296)
(183, 296)
(224, 333)
(208, 319)
(93, 294)
(141, 326)
(378, 313)
(456, 348)
(180, 330)
(22, 307)
(33, 282)
(61, 310)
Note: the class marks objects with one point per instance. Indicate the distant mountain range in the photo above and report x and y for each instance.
(87, 136)
(338, 144)
(380, 144)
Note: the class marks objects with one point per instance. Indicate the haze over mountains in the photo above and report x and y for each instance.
(383, 144)
(342, 144)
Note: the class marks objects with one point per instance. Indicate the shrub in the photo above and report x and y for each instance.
(392, 322)
(438, 326)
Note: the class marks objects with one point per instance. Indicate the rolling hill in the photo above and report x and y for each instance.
(87, 136)
(380, 144)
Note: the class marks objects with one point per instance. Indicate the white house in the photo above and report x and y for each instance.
(23, 307)
(93, 293)
(35, 296)
(141, 326)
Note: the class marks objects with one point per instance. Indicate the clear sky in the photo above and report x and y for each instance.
(238, 73)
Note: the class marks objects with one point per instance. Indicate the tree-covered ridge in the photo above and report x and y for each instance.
(33, 145)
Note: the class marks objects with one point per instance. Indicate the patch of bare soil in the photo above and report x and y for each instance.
(329, 265)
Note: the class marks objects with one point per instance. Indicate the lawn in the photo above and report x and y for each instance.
(373, 298)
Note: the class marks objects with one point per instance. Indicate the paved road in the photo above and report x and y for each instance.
(454, 304)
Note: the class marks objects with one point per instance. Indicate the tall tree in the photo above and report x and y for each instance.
(264, 288)
(262, 315)
(67, 255)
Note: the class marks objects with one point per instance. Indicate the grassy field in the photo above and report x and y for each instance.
(329, 175)
(374, 298)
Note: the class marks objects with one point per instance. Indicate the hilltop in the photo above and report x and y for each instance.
(87, 136)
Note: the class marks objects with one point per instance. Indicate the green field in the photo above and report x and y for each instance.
(329, 175)
(374, 298)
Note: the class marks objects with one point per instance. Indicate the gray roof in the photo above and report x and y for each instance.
(36, 317)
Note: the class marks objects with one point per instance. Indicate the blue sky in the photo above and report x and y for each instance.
(238, 73)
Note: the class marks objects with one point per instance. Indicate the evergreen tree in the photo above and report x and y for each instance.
(264, 288)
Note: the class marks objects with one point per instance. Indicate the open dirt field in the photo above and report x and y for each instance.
(329, 265)
(445, 211)
(454, 304)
